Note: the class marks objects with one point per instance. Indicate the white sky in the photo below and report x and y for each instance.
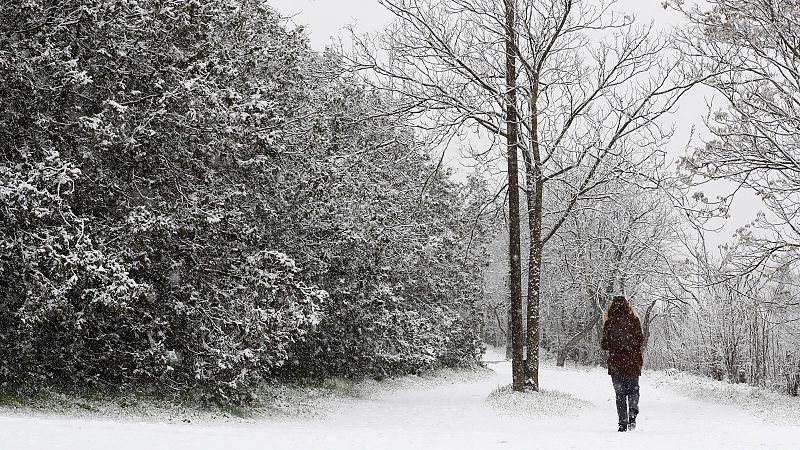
(326, 21)
(326, 18)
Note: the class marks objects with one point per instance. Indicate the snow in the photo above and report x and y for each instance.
(773, 407)
(542, 404)
(449, 412)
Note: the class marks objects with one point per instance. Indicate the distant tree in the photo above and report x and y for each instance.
(620, 240)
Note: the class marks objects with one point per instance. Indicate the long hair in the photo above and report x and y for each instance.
(619, 307)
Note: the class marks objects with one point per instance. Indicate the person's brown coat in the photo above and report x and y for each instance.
(623, 338)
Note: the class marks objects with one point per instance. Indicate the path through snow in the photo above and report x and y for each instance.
(442, 417)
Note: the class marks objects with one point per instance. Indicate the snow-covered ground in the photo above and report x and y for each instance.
(440, 415)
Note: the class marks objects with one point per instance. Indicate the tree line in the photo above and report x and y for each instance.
(193, 203)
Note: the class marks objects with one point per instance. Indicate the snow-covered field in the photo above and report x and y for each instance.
(451, 413)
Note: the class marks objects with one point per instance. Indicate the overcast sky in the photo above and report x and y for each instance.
(325, 20)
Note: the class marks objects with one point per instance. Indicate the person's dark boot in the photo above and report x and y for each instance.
(632, 419)
(623, 427)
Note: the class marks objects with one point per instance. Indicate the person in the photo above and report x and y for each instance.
(623, 339)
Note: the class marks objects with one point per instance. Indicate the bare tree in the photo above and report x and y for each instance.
(590, 94)
(751, 49)
(619, 240)
(725, 323)
(512, 137)
(597, 86)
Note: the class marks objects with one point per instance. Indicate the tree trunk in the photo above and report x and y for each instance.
(512, 131)
(534, 285)
(509, 341)
(646, 324)
(535, 184)
(561, 358)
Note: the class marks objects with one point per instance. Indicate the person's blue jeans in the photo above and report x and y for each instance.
(627, 393)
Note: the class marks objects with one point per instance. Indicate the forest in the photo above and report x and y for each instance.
(195, 203)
